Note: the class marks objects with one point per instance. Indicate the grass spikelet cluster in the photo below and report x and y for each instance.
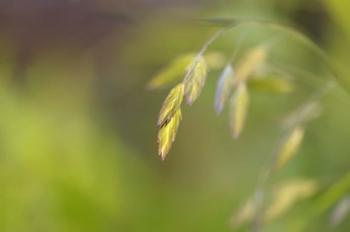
(171, 105)
(169, 119)
(190, 88)
(195, 79)
(234, 83)
(252, 72)
(167, 134)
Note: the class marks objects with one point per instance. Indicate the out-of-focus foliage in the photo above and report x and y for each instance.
(51, 176)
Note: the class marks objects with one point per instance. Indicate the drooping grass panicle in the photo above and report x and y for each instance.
(167, 134)
(239, 109)
(195, 79)
(171, 105)
(224, 88)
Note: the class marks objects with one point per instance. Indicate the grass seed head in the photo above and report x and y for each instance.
(167, 134)
(171, 105)
(195, 79)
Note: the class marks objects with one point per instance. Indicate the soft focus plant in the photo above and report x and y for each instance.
(238, 76)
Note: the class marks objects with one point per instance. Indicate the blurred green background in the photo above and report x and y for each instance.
(78, 148)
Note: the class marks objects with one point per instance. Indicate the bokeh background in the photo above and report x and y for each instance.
(78, 148)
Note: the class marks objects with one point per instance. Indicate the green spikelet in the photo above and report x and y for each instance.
(167, 134)
(195, 79)
(171, 105)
